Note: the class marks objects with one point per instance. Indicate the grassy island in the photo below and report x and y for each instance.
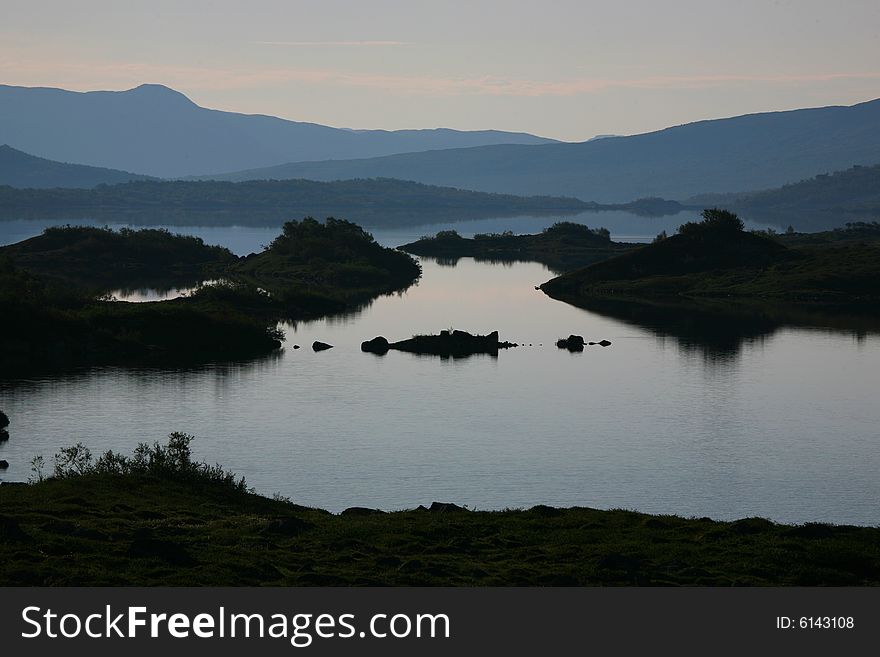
(562, 247)
(53, 285)
(715, 259)
(158, 518)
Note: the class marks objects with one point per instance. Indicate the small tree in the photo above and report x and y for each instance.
(716, 222)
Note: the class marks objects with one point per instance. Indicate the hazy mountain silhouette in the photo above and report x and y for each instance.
(825, 201)
(754, 151)
(18, 169)
(157, 131)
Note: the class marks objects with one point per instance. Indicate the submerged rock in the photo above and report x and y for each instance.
(321, 346)
(378, 345)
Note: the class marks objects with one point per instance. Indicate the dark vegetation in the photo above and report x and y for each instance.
(54, 317)
(446, 344)
(562, 247)
(265, 202)
(103, 258)
(313, 267)
(819, 203)
(159, 518)
(716, 259)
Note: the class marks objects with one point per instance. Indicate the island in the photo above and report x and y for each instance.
(562, 247)
(717, 260)
(55, 286)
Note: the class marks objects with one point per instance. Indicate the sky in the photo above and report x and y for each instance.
(558, 68)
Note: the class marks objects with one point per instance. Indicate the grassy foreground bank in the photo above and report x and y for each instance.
(166, 521)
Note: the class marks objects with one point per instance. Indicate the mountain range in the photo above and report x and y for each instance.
(750, 152)
(154, 130)
(157, 131)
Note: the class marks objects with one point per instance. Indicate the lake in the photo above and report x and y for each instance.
(778, 422)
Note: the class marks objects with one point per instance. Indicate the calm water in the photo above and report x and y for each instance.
(781, 423)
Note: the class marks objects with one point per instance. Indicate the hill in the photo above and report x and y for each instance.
(377, 202)
(18, 169)
(819, 203)
(158, 131)
(716, 259)
(750, 152)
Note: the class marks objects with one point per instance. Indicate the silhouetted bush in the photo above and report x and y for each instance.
(716, 222)
(171, 460)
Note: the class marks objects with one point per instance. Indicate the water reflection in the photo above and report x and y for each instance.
(682, 414)
(718, 332)
(221, 373)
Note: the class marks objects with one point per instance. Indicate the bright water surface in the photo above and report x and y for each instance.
(782, 423)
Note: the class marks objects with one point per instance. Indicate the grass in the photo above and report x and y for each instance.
(188, 525)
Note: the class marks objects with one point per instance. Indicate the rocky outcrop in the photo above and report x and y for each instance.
(576, 343)
(455, 344)
(572, 343)
(378, 345)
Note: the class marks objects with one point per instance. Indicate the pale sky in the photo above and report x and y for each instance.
(558, 68)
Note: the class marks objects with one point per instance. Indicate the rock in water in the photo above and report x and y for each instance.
(3, 436)
(604, 343)
(321, 346)
(4, 420)
(378, 345)
(4, 465)
(572, 343)
(455, 344)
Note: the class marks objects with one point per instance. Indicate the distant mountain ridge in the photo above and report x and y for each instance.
(826, 201)
(18, 169)
(749, 152)
(158, 131)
